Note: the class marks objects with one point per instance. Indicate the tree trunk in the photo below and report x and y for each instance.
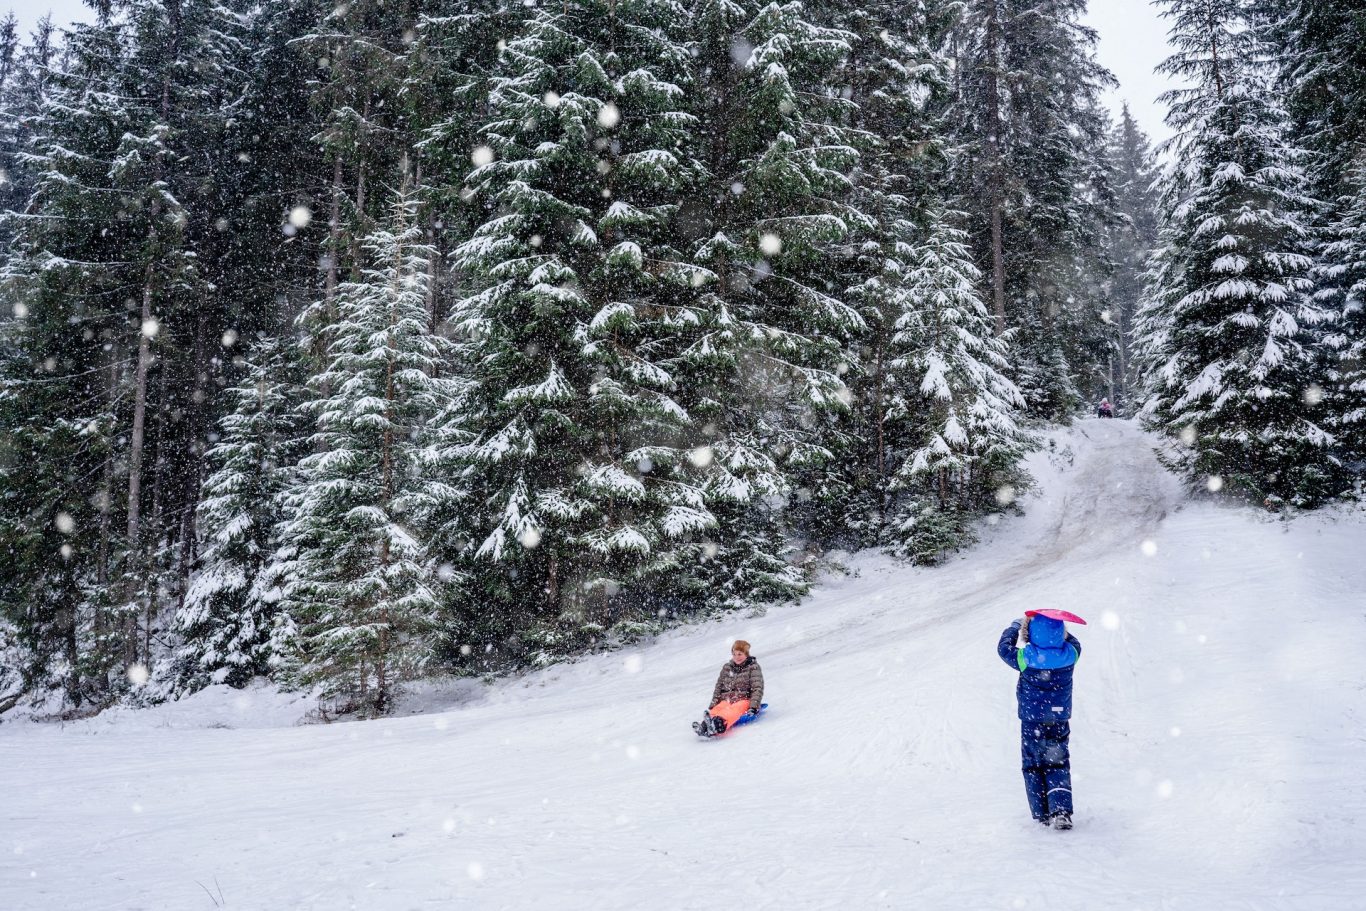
(333, 239)
(995, 167)
(107, 493)
(188, 526)
(145, 353)
(359, 230)
(153, 605)
(880, 420)
(133, 565)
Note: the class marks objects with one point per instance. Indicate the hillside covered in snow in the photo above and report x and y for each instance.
(1217, 746)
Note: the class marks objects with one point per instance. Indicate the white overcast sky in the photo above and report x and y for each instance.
(28, 12)
(1133, 40)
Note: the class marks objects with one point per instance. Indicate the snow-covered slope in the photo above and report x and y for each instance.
(1218, 747)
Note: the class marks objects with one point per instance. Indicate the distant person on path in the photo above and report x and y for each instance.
(1105, 409)
(739, 691)
(1044, 653)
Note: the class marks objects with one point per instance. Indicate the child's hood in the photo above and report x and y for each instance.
(1046, 632)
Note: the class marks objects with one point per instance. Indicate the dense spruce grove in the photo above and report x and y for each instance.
(346, 343)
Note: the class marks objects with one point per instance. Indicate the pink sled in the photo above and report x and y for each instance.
(1054, 614)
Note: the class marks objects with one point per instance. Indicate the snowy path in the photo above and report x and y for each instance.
(1219, 748)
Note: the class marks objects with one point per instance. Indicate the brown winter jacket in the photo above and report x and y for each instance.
(739, 681)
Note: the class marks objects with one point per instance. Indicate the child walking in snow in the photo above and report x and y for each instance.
(739, 691)
(1044, 653)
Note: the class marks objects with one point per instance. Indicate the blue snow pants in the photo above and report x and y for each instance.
(1047, 767)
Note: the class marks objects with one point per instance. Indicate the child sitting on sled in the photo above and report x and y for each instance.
(739, 691)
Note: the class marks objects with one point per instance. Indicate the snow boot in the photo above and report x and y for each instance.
(1062, 821)
(707, 727)
(718, 725)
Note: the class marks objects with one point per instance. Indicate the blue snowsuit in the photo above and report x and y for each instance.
(1044, 694)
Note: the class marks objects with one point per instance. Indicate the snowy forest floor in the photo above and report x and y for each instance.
(1218, 746)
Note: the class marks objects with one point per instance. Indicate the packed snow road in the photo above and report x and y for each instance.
(1218, 747)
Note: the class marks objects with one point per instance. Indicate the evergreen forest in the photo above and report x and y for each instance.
(345, 344)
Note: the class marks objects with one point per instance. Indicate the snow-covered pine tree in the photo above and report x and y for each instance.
(584, 495)
(954, 417)
(13, 75)
(1132, 241)
(764, 378)
(358, 49)
(359, 585)
(230, 625)
(1231, 318)
(64, 358)
(1321, 51)
(453, 58)
(1343, 269)
(896, 81)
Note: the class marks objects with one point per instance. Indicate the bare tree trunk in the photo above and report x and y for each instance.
(1123, 361)
(153, 604)
(333, 237)
(188, 528)
(320, 336)
(382, 657)
(880, 419)
(71, 647)
(995, 168)
(159, 466)
(107, 492)
(1110, 379)
(359, 228)
(145, 356)
(133, 567)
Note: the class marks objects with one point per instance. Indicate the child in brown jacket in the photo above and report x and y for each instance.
(739, 691)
